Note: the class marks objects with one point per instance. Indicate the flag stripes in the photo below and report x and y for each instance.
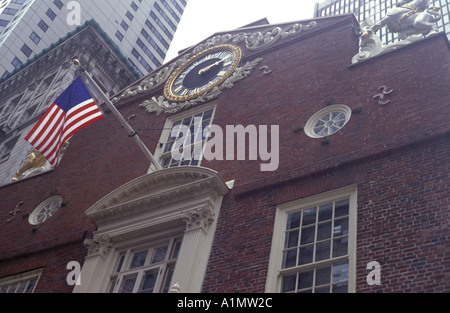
(72, 111)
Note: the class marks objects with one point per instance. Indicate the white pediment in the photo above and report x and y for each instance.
(156, 190)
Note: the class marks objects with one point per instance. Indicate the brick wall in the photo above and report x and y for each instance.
(397, 154)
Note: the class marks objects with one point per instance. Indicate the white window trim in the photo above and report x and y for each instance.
(11, 280)
(127, 248)
(168, 125)
(274, 278)
(180, 199)
(310, 125)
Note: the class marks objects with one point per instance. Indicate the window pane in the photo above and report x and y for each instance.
(323, 251)
(128, 284)
(21, 287)
(307, 235)
(340, 227)
(340, 288)
(31, 285)
(293, 221)
(340, 272)
(340, 247)
(138, 259)
(168, 279)
(306, 255)
(149, 281)
(176, 249)
(325, 212)
(160, 254)
(289, 258)
(119, 264)
(323, 276)
(324, 231)
(288, 283)
(305, 279)
(309, 216)
(341, 209)
(291, 239)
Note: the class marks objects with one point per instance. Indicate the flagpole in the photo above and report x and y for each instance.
(131, 132)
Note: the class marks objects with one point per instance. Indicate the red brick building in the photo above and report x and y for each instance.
(363, 175)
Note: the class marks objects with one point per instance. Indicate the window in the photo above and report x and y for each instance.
(45, 210)
(16, 62)
(141, 60)
(22, 283)
(134, 6)
(35, 38)
(42, 25)
(328, 121)
(26, 50)
(9, 11)
(129, 15)
(51, 14)
(124, 25)
(58, 3)
(177, 210)
(185, 131)
(313, 248)
(119, 35)
(145, 269)
(3, 23)
(5, 152)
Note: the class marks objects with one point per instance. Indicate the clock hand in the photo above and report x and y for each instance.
(208, 67)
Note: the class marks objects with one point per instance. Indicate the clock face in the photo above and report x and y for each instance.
(202, 72)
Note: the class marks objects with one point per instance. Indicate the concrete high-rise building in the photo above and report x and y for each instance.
(376, 10)
(142, 30)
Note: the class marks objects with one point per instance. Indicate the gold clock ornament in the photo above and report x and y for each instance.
(202, 72)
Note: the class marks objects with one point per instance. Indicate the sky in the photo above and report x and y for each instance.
(202, 18)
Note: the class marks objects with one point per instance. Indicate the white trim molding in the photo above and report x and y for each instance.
(276, 272)
(149, 208)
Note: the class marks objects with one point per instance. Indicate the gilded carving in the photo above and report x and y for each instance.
(34, 162)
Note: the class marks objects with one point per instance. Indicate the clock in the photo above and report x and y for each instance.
(202, 72)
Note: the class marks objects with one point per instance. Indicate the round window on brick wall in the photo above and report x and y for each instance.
(328, 121)
(45, 210)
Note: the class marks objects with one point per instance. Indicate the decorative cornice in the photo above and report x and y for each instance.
(156, 190)
(253, 41)
(200, 218)
(257, 40)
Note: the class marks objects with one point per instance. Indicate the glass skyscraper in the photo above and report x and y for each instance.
(376, 10)
(141, 29)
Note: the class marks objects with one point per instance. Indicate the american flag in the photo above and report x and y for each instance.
(73, 110)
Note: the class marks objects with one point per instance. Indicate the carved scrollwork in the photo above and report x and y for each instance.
(199, 218)
(257, 40)
(98, 245)
(151, 82)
